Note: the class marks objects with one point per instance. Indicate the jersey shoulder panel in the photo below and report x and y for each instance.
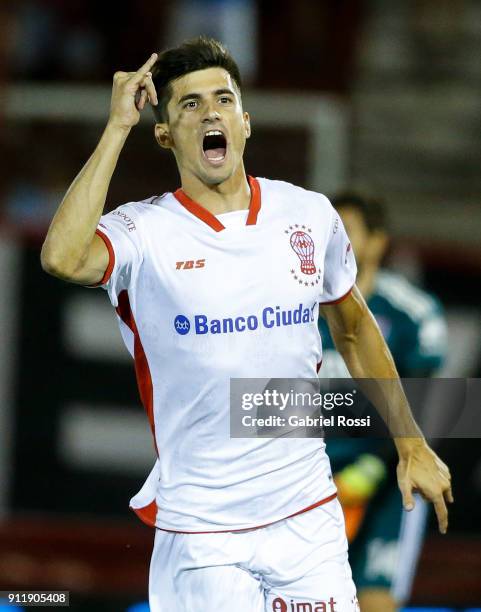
(149, 206)
(276, 187)
(131, 213)
(143, 214)
(405, 297)
(288, 197)
(139, 207)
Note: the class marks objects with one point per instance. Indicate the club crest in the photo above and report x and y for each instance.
(300, 239)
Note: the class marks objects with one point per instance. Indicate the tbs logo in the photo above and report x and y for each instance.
(190, 264)
(182, 325)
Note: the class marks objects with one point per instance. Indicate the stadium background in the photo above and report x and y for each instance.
(380, 94)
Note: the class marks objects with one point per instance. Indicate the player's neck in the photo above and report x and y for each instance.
(232, 194)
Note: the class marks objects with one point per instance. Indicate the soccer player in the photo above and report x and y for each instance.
(208, 283)
(384, 552)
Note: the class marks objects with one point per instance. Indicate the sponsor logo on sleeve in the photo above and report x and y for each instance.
(126, 219)
(336, 225)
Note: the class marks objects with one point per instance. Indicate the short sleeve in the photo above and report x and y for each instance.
(339, 264)
(120, 232)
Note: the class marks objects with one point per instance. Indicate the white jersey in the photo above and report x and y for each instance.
(202, 299)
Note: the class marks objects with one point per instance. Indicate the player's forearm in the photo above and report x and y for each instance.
(73, 226)
(367, 356)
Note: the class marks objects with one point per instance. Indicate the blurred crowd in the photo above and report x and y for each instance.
(87, 40)
(283, 44)
(409, 71)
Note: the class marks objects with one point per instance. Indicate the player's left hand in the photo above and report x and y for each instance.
(420, 470)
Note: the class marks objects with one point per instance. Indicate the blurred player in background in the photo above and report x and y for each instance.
(385, 542)
(206, 282)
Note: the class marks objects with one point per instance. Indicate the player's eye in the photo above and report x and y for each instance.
(225, 99)
(191, 104)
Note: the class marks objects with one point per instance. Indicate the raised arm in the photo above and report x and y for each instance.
(72, 251)
(358, 338)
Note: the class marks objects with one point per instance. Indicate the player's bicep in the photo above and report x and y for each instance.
(93, 269)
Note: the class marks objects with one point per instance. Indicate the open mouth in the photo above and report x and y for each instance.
(214, 146)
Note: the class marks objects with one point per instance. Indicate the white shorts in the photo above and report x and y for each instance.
(298, 564)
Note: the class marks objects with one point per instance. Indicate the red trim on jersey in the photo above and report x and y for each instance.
(311, 507)
(111, 264)
(318, 367)
(147, 514)
(316, 505)
(198, 211)
(207, 217)
(339, 300)
(142, 370)
(255, 204)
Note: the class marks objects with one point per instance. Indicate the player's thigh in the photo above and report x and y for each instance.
(411, 538)
(384, 555)
(374, 552)
(376, 600)
(185, 576)
(222, 588)
(309, 570)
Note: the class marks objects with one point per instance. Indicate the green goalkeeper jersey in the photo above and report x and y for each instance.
(413, 325)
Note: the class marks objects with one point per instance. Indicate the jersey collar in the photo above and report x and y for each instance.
(207, 217)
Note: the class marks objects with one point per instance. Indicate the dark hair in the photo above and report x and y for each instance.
(371, 209)
(196, 54)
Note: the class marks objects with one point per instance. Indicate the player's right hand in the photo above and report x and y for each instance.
(130, 92)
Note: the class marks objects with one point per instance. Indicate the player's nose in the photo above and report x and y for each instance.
(211, 114)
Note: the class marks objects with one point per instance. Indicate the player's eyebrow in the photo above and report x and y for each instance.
(197, 96)
(225, 90)
(189, 96)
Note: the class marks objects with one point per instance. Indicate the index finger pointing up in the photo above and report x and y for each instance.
(141, 72)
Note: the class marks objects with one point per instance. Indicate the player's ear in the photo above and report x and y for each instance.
(379, 244)
(247, 124)
(162, 135)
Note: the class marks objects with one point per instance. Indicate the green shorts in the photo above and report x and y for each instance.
(385, 552)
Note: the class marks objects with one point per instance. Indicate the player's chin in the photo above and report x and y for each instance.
(213, 175)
